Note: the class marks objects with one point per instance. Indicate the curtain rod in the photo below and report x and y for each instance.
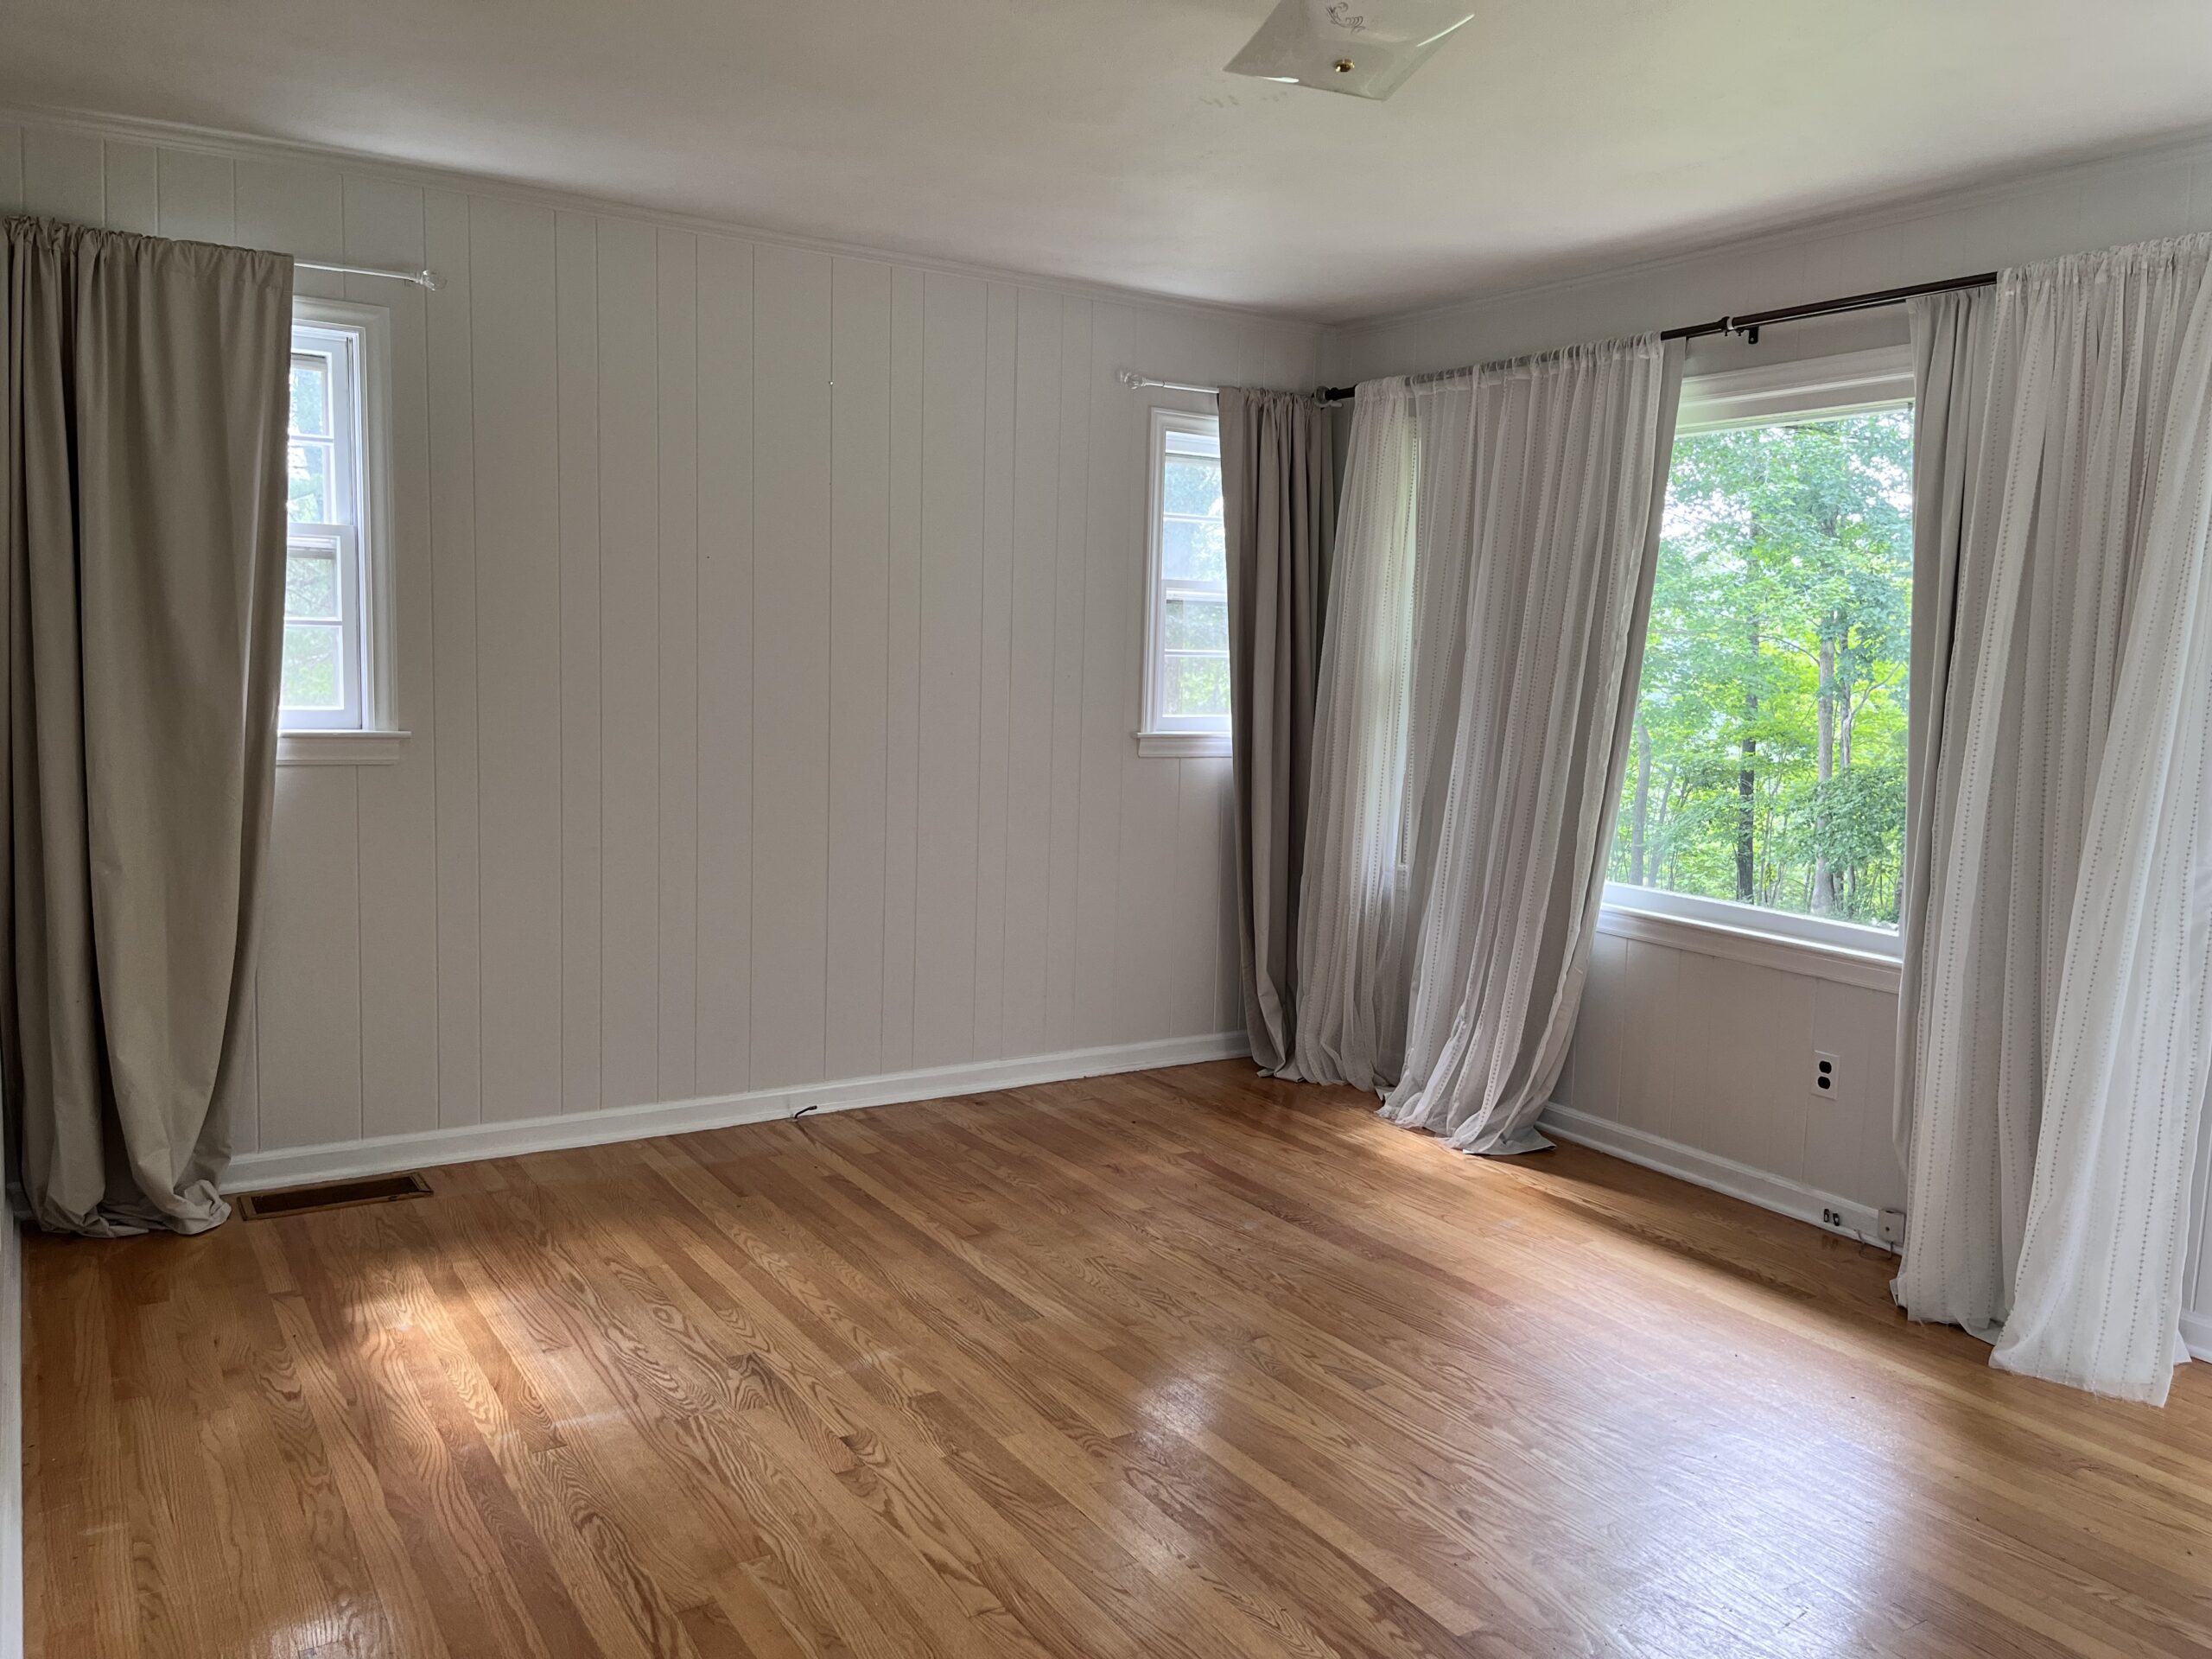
(1750, 324)
(1134, 382)
(420, 278)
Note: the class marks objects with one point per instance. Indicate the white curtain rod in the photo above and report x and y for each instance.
(420, 278)
(1134, 381)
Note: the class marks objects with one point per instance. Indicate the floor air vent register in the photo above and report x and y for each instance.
(332, 1195)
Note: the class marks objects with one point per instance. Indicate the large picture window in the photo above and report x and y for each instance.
(1765, 783)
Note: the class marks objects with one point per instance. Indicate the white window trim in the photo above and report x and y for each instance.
(377, 740)
(1810, 388)
(1158, 736)
(1820, 946)
(1816, 946)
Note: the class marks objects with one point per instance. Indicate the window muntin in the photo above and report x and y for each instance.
(327, 594)
(1766, 785)
(1187, 632)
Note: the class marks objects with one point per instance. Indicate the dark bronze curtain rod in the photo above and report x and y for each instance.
(1750, 324)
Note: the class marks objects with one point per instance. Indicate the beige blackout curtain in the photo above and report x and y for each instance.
(143, 434)
(1279, 508)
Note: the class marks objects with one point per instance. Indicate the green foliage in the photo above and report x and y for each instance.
(1781, 610)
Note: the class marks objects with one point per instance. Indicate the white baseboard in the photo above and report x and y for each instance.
(2197, 1335)
(1768, 1191)
(254, 1172)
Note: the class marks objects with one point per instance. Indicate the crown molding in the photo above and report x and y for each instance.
(238, 146)
(1879, 213)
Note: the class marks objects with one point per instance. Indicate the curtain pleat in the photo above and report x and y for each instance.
(1564, 480)
(1279, 510)
(143, 440)
(1352, 914)
(2056, 992)
(1500, 528)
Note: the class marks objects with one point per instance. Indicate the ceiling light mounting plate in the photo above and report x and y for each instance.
(1364, 48)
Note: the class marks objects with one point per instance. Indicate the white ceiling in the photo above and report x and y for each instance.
(1100, 139)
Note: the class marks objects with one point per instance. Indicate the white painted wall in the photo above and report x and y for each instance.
(768, 630)
(1705, 1056)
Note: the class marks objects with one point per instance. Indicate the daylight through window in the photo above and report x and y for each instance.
(325, 645)
(1767, 766)
(1186, 680)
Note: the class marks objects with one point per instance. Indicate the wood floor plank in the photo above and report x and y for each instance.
(1191, 1364)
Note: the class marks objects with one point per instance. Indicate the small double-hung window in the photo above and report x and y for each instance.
(336, 631)
(1186, 624)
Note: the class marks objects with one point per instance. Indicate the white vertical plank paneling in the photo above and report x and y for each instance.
(63, 176)
(575, 284)
(791, 663)
(294, 209)
(629, 639)
(902, 669)
(308, 987)
(197, 196)
(130, 191)
(678, 444)
(453, 644)
(1113, 591)
(513, 350)
(1194, 941)
(860, 618)
(953, 335)
(1228, 1008)
(1148, 923)
(750, 627)
(398, 804)
(994, 664)
(1070, 586)
(1029, 668)
(725, 971)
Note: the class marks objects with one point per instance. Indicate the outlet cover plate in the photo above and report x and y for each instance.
(1827, 1070)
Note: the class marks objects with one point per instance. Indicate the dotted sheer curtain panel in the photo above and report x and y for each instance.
(142, 443)
(2058, 965)
(1486, 628)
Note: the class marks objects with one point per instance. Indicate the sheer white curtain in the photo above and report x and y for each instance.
(1351, 935)
(2063, 951)
(1486, 623)
(1566, 482)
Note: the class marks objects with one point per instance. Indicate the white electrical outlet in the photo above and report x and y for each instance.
(1827, 1075)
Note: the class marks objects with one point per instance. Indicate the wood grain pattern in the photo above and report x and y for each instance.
(1187, 1363)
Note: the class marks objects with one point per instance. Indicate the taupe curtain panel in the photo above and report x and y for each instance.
(2057, 1003)
(143, 439)
(1278, 508)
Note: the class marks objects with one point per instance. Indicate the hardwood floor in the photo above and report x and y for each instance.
(1189, 1363)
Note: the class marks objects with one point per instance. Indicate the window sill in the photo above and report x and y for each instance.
(339, 749)
(1182, 746)
(1815, 959)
